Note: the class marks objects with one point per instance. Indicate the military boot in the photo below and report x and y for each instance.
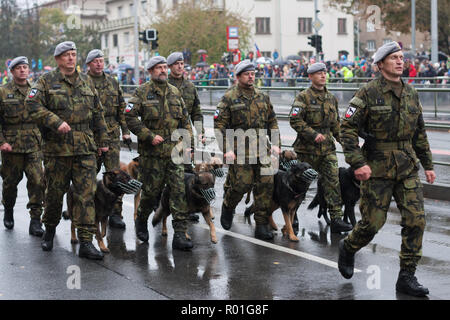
(338, 226)
(226, 218)
(407, 283)
(141, 229)
(262, 232)
(180, 242)
(88, 251)
(115, 221)
(47, 239)
(346, 261)
(8, 219)
(35, 228)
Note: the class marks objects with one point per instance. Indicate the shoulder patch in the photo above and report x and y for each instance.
(129, 107)
(33, 93)
(216, 114)
(295, 111)
(357, 102)
(350, 112)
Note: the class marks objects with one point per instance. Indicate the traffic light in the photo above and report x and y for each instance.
(155, 44)
(313, 42)
(319, 43)
(142, 36)
(151, 35)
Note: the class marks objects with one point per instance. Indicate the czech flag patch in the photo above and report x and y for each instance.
(295, 112)
(129, 107)
(33, 93)
(216, 114)
(350, 112)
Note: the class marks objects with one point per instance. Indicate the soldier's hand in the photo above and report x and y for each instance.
(363, 173)
(230, 157)
(202, 139)
(430, 175)
(319, 138)
(6, 147)
(126, 137)
(157, 140)
(64, 128)
(102, 150)
(275, 150)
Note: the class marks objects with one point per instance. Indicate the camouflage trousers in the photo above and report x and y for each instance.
(243, 178)
(59, 172)
(13, 167)
(155, 173)
(328, 168)
(111, 161)
(376, 197)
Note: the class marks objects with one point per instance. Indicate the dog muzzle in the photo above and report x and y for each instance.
(309, 175)
(287, 164)
(217, 172)
(132, 187)
(208, 194)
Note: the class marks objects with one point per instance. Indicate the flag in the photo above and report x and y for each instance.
(258, 53)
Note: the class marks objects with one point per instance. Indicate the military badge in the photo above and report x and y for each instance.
(33, 93)
(129, 107)
(295, 111)
(216, 114)
(10, 96)
(350, 112)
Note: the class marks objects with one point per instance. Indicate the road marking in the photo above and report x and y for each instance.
(266, 244)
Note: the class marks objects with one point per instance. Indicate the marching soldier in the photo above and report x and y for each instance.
(315, 117)
(113, 103)
(245, 107)
(390, 113)
(65, 103)
(154, 112)
(20, 141)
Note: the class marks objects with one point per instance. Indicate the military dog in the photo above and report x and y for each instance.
(132, 169)
(199, 188)
(113, 185)
(290, 189)
(350, 193)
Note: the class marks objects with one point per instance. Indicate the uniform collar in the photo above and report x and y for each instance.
(62, 77)
(157, 88)
(386, 86)
(15, 87)
(246, 93)
(320, 95)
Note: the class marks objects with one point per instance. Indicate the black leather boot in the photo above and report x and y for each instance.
(346, 261)
(141, 229)
(338, 226)
(262, 232)
(115, 221)
(226, 218)
(180, 242)
(8, 219)
(407, 283)
(47, 239)
(88, 251)
(35, 228)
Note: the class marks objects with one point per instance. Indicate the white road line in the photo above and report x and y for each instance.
(266, 244)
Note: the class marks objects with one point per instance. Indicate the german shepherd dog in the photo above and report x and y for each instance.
(113, 185)
(350, 193)
(290, 189)
(199, 188)
(132, 169)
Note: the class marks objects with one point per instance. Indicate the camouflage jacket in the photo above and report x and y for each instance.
(191, 100)
(161, 113)
(113, 103)
(393, 128)
(313, 113)
(16, 126)
(240, 110)
(53, 100)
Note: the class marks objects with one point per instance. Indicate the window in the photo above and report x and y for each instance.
(115, 40)
(127, 37)
(342, 26)
(106, 41)
(131, 10)
(304, 25)
(262, 25)
(267, 54)
(119, 12)
(385, 41)
(306, 54)
(371, 46)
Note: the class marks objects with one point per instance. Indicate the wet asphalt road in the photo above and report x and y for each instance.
(238, 267)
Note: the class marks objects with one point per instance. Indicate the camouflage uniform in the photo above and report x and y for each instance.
(247, 109)
(315, 112)
(56, 98)
(113, 103)
(398, 142)
(21, 132)
(161, 110)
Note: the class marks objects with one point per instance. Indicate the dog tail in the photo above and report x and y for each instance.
(314, 203)
(65, 215)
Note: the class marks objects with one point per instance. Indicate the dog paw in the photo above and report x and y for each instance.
(73, 241)
(293, 238)
(104, 250)
(214, 240)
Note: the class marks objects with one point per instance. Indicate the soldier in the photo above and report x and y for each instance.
(390, 113)
(111, 98)
(245, 107)
(65, 103)
(20, 141)
(315, 117)
(162, 111)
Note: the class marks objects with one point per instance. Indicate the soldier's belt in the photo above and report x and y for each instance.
(395, 145)
(79, 126)
(22, 126)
